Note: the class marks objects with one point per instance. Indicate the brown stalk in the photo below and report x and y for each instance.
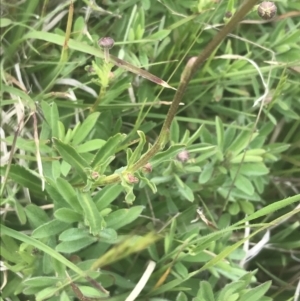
(188, 74)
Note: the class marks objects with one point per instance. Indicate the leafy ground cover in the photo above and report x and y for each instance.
(164, 166)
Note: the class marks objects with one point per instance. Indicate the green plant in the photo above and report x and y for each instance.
(96, 185)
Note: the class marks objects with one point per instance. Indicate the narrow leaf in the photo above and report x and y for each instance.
(171, 152)
(70, 155)
(241, 142)
(25, 178)
(138, 150)
(51, 228)
(41, 246)
(92, 216)
(68, 193)
(75, 245)
(220, 133)
(256, 293)
(107, 195)
(73, 234)
(67, 215)
(107, 150)
(122, 217)
(85, 128)
(36, 216)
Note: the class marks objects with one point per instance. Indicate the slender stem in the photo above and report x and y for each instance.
(187, 75)
(100, 97)
(106, 55)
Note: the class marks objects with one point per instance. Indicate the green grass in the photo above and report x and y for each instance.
(145, 177)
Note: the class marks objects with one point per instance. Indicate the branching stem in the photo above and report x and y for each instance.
(187, 75)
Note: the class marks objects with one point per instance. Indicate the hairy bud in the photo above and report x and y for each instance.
(147, 168)
(183, 156)
(267, 10)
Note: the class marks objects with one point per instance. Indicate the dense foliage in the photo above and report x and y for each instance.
(212, 215)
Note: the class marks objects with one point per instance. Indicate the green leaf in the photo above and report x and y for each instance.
(277, 148)
(108, 236)
(41, 246)
(209, 153)
(170, 236)
(45, 293)
(138, 150)
(171, 152)
(61, 131)
(68, 193)
(270, 208)
(250, 169)
(73, 234)
(92, 216)
(256, 293)
(181, 297)
(234, 208)
(229, 136)
(206, 173)
(41, 281)
(159, 35)
(54, 194)
(89, 146)
(241, 142)
(5, 22)
(54, 115)
(83, 47)
(67, 215)
(230, 289)
(186, 192)
(20, 212)
(247, 158)
(75, 245)
(91, 292)
(24, 97)
(51, 228)
(107, 195)
(64, 296)
(146, 181)
(129, 197)
(36, 216)
(85, 128)
(205, 292)
(122, 217)
(25, 178)
(10, 244)
(247, 207)
(220, 133)
(195, 136)
(107, 150)
(70, 155)
(243, 184)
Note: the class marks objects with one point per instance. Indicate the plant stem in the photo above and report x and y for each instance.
(187, 75)
(101, 94)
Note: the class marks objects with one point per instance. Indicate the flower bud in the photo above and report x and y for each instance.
(267, 10)
(132, 179)
(95, 175)
(147, 168)
(183, 156)
(228, 14)
(106, 42)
